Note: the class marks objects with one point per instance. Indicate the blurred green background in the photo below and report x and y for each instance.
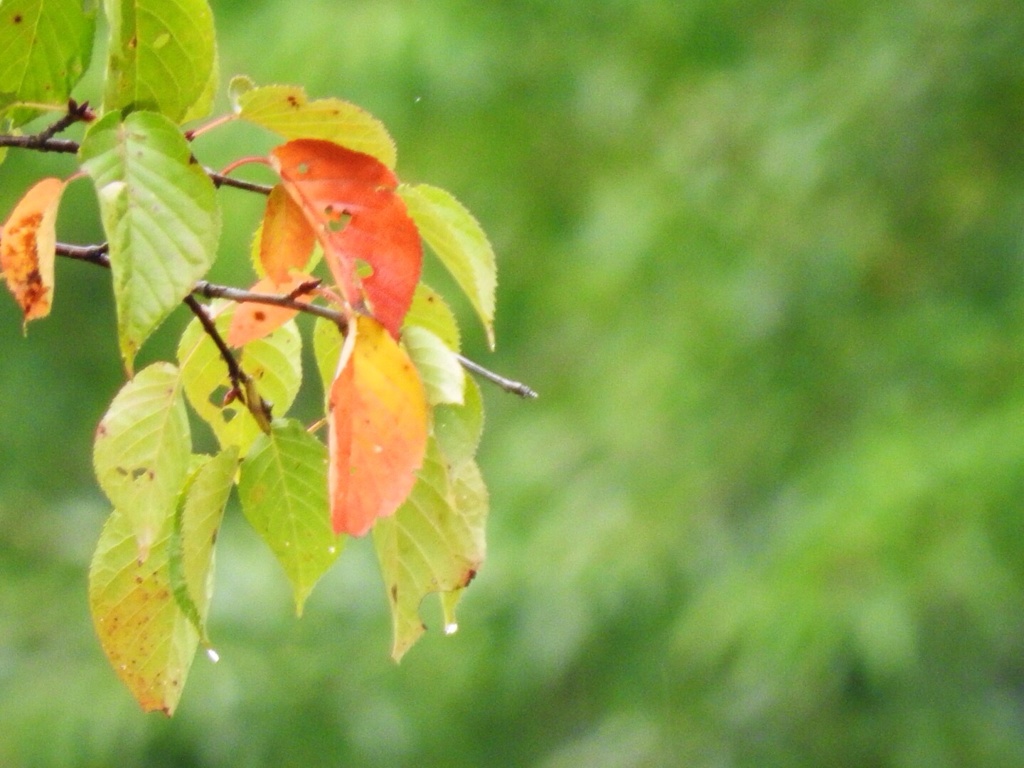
(762, 260)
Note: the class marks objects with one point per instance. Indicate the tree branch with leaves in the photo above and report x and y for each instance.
(341, 238)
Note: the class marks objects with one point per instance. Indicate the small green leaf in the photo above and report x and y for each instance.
(429, 310)
(458, 240)
(194, 535)
(283, 488)
(433, 543)
(327, 341)
(160, 216)
(46, 47)
(458, 428)
(274, 362)
(142, 449)
(285, 110)
(161, 57)
(238, 87)
(439, 368)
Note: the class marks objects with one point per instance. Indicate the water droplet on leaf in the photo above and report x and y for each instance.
(451, 628)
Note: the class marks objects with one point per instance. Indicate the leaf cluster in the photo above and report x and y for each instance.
(341, 238)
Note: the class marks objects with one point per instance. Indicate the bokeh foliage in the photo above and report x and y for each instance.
(763, 262)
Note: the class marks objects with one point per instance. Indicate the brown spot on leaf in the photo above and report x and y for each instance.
(259, 316)
(394, 593)
(468, 576)
(17, 18)
(292, 101)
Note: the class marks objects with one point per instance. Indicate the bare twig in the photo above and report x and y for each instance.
(514, 387)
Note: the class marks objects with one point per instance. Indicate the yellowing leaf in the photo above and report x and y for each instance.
(460, 243)
(148, 639)
(434, 543)
(160, 215)
(46, 45)
(27, 251)
(377, 428)
(286, 238)
(349, 199)
(252, 320)
(142, 449)
(273, 362)
(161, 57)
(283, 488)
(286, 110)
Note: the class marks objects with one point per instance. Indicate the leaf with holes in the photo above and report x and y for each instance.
(161, 57)
(141, 452)
(283, 488)
(274, 363)
(27, 251)
(349, 199)
(47, 45)
(286, 110)
(377, 428)
(252, 320)
(160, 216)
(459, 241)
(434, 543)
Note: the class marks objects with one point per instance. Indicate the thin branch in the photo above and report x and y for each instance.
(44, 144)
(513, 387)
(97, 254)
(242, 386)
(221, 180)
(215, 291)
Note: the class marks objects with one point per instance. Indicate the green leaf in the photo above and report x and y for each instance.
(429, 310)
(160, 216)
(458, 428)
(283, 488)
(148, 639)
(439, 368)
(433, 543)
(287, 111)
(46, 47)
(194, 535)
(327, 341)
(458, 240)
(142, 449)
(161, 57)
(274, 362)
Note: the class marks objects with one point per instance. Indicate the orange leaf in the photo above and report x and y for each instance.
(253, 320)
(27, 250)
(349, 198)
(287, 239)
(377, 422)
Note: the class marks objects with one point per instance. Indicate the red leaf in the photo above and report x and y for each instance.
(377, 421)
(287, 239)
(349, 199)
(27, 250)
(253, 320)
